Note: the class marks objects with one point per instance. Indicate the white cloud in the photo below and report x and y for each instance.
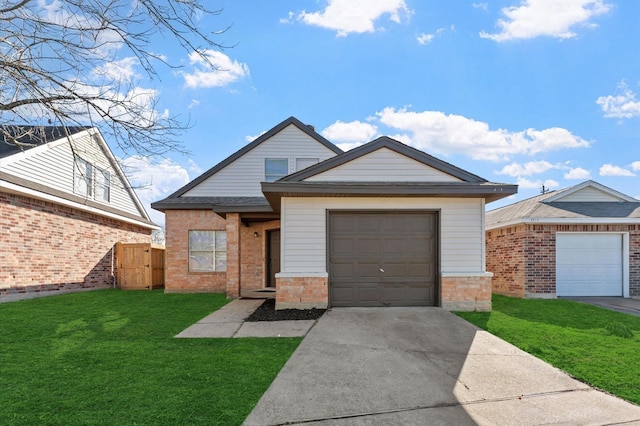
(355, 16)
(121, 71)
(350, 134)
(578, 173)
(217, 70)
(635, 166)
(425, 38)
(527, 169)
(537, 184)
(483, 6)
(154, 181)
(551, 18)
(622, 105)
(611, 170)
(454, 134)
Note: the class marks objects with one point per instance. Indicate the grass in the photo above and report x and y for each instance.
(109, 358)
(595, 345)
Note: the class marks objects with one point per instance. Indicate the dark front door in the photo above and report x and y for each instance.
(382, 258)
(273, 256)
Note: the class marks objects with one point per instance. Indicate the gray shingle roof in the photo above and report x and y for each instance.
(537, 208)
(217, 204)
(32, 136)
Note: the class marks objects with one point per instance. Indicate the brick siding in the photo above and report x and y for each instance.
(177, 278)
(48, 247)
(302, 292)
(249, 271)
(466, 293)
(523, 257)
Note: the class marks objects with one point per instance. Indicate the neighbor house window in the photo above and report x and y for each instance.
(207, 251)
(103, 185)
(303, 163)
(83, 178)
(275, 168)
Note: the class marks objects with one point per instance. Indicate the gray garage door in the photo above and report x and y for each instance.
(382, 258)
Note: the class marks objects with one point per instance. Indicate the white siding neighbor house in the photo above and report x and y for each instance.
(64, 203)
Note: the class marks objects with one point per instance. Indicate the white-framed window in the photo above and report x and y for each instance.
(83, 177)
(275, 168)
(303, 163)
(103, 185)
(207, 251)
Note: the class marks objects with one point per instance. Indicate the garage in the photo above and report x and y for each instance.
(382, 258)
(589, 264)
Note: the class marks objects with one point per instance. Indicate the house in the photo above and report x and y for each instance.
(381, 225)
(64, 203)
(579, 241)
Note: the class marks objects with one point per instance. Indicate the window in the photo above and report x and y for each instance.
(103, 185)
(91, 181)
(275, 168)
(303, 163)
(207, 251)
(83, 178)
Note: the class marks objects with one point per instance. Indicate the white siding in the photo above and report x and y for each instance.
(589, 194)
(384, 165)
(304, 222)
(53, 167)
(243, 176)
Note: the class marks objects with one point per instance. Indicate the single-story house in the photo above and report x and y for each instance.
(383, 224)
(579, 241)
(64, 204)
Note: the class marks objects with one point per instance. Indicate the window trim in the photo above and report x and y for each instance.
(85, 175)
(217, 253)
(105, 188)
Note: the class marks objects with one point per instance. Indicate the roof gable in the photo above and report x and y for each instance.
(433, 168)
(291, 121)
(589, 191)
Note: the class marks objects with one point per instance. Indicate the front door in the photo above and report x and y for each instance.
(273, 256)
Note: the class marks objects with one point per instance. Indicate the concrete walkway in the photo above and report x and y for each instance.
(620, 304)
(390, 366)
(228, 321)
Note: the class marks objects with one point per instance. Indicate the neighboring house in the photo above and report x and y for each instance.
(579, 241)
(64, 203)
(381, 225)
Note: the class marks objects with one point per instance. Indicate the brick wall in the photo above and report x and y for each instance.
(505, 259)
(45, 246)
(466, 292)
(533, 274)
(177, 278)
(302, 292)
(253, 273)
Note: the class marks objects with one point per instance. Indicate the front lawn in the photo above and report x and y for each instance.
(594, 345)
(109, 358)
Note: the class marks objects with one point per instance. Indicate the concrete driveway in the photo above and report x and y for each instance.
(389, 366)
(620, 304)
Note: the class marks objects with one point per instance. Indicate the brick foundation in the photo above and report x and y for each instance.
(302, 292)
(464, 292)
(523, 257)
(49, 247)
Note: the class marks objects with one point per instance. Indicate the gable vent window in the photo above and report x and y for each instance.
(207, 251)
(83, 178)
(103, 185)
(91, 181)
(275, 168)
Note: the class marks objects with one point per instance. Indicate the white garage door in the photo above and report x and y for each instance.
(589, 264)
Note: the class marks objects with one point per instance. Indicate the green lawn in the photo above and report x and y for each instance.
(580, 339)
(109, 358)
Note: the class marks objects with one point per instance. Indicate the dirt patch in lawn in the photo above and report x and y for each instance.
(267, 312)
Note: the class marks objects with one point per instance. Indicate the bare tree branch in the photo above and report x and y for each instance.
(69, 63)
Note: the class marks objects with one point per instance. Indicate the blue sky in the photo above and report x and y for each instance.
(517, 91)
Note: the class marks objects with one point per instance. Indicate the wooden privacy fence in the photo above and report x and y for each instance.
(139, 266)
